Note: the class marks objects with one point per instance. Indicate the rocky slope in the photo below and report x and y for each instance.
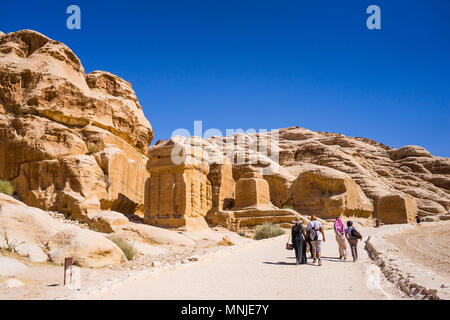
(69, 142)
(331, 174)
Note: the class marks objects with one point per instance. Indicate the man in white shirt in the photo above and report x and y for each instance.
(315, 233)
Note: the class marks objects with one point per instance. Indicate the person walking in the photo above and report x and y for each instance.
(352, 236)
(339, 230)
(315, 233)
(298, 241)
(418, 219)
(377, 223)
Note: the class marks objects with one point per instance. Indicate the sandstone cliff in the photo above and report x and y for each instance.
(69, 142)
(330, 174)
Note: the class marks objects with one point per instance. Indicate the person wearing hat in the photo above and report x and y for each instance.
(298, 242)
(315, 233)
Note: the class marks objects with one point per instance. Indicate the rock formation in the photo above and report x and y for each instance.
(364, 171)
(328, 193)
(39, 237)
(69, 142)
(78, 143)
(253, 206)
(223, 186)
(397, 209)
(252, 190)
(177, 194)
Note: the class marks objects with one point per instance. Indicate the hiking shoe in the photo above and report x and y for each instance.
(345, 257)
(314, 261)
(320, 262)
(297, 263)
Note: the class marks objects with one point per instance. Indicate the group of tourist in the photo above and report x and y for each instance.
(314, 235)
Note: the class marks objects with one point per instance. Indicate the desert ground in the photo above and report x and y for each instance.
(428, 245)
(262, 270)
(259, 269)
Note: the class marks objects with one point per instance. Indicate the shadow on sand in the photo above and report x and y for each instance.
(283, 263)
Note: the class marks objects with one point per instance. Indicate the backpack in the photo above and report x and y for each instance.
(313, 233)
(355, 234)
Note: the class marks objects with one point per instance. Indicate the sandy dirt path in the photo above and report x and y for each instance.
(426, 245)
(263, 270)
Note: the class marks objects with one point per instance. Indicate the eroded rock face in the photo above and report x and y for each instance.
(177, 194)
(222, 183)
(253, 206)
(408, 151)
(252, 190)
(328, 193)
(69, 142)
(375, 168)
(37, 234)
(397, 208)
(44, 77)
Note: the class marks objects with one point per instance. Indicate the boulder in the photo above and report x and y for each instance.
(11, 283)
(88, 248)
(32, 251)
(408, 151)
(11, 267)
(328, 193)
(155, 235)
(107, 221)
(397, 208)
(33, 232)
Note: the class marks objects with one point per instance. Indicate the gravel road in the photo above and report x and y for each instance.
(261, 270)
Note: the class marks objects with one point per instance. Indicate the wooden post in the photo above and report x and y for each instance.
(67, 263)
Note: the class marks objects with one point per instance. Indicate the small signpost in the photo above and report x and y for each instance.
(68, 262)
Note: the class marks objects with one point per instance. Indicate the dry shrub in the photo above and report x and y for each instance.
(268, 230)
(126, 247)
(6, 187)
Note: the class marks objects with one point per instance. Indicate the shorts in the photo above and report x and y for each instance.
(316, 244)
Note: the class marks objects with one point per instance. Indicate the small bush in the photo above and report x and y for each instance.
(11, 244)
(241, 233)
(268, 230)
(127, 247)
(288, 206)
(6, 187)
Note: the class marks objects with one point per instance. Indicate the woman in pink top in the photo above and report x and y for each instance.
(339, 230)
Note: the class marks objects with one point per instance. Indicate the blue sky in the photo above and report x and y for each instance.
(268, 64)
